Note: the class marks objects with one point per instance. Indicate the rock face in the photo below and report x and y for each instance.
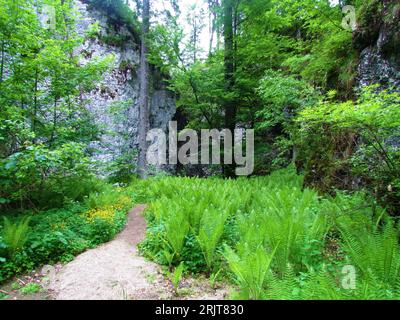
(378, 40)
(114, 103)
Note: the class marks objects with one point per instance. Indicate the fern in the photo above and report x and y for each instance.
(275, 234)
(211, 230)
(176, 277)
(15, 235)
(373, 251)
(250, 271)
(176, 230)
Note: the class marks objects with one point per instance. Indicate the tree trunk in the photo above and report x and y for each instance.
(2, 60)
(144, 108)
(229, 105)
(195, 31)
(35, 104)
(213, 23)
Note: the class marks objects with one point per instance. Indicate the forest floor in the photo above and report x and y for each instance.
(113, 271)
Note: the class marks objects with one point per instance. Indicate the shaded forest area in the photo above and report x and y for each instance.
(322, 96)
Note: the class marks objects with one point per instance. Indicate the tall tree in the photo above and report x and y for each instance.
(230, 108)
(214, 24)
(195, 18)
(144, 101)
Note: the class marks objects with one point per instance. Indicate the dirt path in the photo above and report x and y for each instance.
(115, 271)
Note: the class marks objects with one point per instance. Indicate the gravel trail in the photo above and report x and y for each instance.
(116, 271)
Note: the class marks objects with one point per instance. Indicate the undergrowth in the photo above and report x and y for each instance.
(273, 239)
(32, 239)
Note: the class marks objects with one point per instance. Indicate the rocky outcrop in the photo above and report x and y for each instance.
(378, 40)
(114, 103)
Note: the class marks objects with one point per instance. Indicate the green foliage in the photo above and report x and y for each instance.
(38, 174)
(44, 125)
(15, 235)
(375, 119)
(31, 288)
(271, 237)
(93, 30)
(287, 222)
(250, 269)
(176, 277)
(374, 249)
(373, 110)
(283, 97)
(61, 234)
(211, 230)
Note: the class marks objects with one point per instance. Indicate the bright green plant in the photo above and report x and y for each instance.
(373, 249)
(211, 230)
(331, 128)
(15, 235)
(31, 288)
(214, 278)
(250, 270)
(176, 230)
(282, 96)
(283, 241)
(176, 277)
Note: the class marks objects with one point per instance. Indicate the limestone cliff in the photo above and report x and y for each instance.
(378, 41)
(114, 103)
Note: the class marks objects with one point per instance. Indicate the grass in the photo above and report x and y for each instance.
(271, 237)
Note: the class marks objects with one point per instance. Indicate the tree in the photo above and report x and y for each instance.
(196, 19)
(45, 127)
(214, 28)
(229, 63)
(144, 103)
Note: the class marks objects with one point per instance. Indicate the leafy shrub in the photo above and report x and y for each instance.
(60, 234)
(51, 175)
(353, 141)
(373, 249)
(283, 96)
